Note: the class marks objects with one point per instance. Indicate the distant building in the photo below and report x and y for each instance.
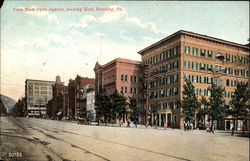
(37, 95)
(77, 95)
(91, 113)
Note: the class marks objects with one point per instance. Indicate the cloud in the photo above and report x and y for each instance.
(34, 11)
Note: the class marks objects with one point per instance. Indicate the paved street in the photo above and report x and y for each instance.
(40, 139)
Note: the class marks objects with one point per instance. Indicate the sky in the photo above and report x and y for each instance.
(43, 39)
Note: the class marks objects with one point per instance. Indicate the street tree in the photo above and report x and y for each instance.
(216, 102)
(136, 110)
(102, 106)
(190, 102)
(202, 110)
(118, 103)
(239, 103)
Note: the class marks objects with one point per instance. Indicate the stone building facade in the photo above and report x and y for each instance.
(37, 95)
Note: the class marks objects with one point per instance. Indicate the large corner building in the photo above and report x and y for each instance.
(187, 55)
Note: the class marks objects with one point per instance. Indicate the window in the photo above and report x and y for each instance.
(126, 89)
(209, 67)
(221, 82)
(187, 49)
(175, 51)
(209, 80)
(233, 83)
(195, 51)
(176, 65)
(202, 66)
(187, 77)
(121, 89)
(162, 93)
(122, 77)
(176, 91)
(239, 59)
(161, 56)
(209, 53)
(216, 69)
(187, 64)
(202, 92)
(194, 79)
(202, 52)
(228, 57)
(176, 78)
(233, 58)
(168, 54)
(131, 90)
(227, 82)
(202, 79)
(246, 61)
(135, 90)
(194, 65)
(126, 78)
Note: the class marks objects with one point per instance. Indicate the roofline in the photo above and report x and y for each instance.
(39, 80)
(122, 60)
(193, 34)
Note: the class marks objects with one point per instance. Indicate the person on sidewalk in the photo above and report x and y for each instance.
(212, 128)
(191, 126)
(232, 132)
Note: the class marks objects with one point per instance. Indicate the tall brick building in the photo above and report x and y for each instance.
(186, 55)
(120, 74)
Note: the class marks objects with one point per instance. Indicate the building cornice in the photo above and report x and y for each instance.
(195, 35)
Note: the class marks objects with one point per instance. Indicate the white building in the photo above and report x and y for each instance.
(37, 95)
(91, 113)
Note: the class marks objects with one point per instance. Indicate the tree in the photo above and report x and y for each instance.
(103, 104)
(202, 110)
(190, 102)
(239, 103)
(136, 110)
(216, 103)
(118, 103)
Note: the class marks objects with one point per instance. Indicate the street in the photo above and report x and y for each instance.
(41, 139)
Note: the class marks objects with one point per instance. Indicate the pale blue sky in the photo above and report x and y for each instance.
(43, 44)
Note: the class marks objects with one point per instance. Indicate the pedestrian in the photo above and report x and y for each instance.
(232, 133)
(165, 125)
(128, 123)
(191, 126)
(212, 128)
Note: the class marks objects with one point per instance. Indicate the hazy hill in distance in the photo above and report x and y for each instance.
(7, 102)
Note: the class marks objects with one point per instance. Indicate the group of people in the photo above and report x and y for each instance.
(188, 126)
